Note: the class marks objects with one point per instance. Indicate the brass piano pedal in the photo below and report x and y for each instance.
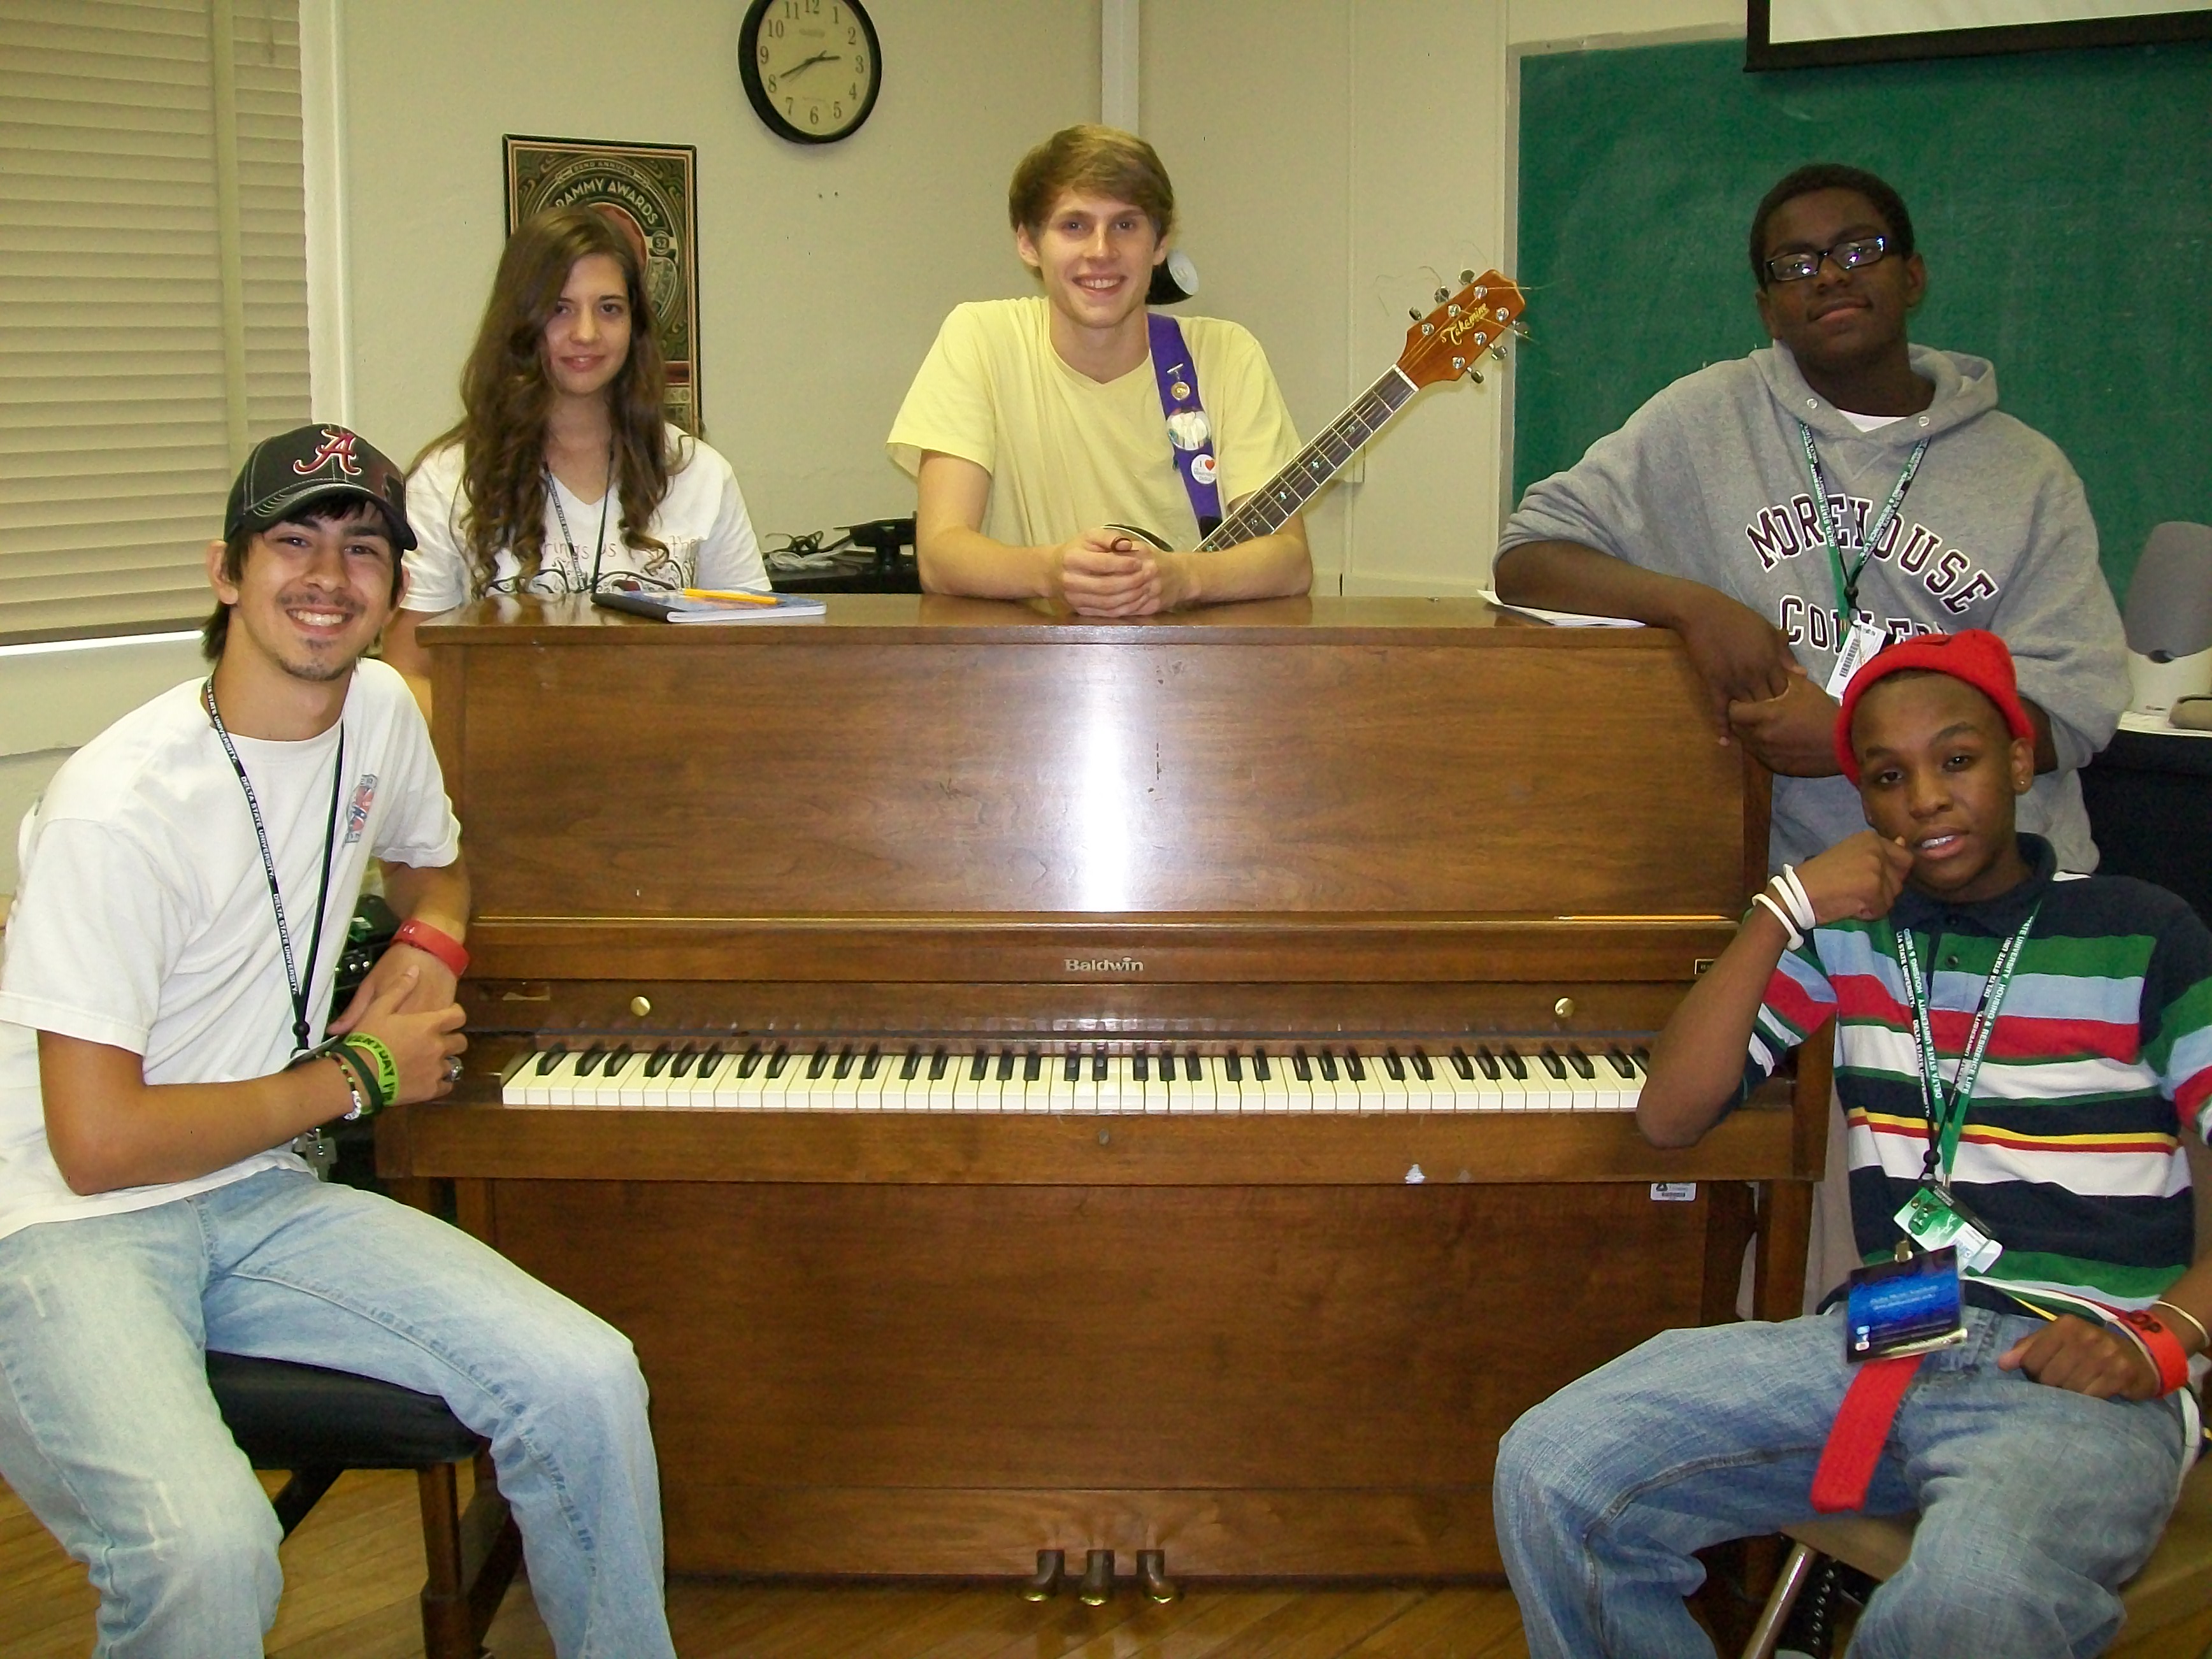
(1153, 1576)
(1044, 1584)
(1097, 1589)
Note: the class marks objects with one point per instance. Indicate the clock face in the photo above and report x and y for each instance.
(812, 68)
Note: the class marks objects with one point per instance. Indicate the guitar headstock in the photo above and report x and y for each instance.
(1450, 340)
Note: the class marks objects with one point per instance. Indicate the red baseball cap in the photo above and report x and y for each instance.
(1972, 654)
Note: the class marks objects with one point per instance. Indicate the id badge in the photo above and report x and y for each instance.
(1863, 639)
(1934, 1219)
(1907, 1307)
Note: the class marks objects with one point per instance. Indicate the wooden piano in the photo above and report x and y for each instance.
(893, 1331)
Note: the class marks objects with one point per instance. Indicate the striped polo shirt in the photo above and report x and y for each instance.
(2099, 1060)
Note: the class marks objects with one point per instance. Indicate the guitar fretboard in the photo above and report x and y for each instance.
(1270, 508)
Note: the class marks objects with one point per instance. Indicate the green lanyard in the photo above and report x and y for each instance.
(1847, 582)
(1946, 1114)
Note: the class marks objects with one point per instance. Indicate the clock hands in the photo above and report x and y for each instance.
(809, 63)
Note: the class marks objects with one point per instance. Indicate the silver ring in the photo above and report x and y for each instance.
(453, 1068)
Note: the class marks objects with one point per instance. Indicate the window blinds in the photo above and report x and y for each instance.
(153, 294)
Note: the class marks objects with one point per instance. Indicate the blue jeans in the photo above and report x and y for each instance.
(2035, 1503)
(108, 1432)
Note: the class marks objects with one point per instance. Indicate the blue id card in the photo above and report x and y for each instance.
(1904, 1307)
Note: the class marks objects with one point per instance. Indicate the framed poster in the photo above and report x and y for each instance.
(1816, 33)
(646, 190)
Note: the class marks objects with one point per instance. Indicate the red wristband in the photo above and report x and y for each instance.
(2159, 1345)
(444, 946)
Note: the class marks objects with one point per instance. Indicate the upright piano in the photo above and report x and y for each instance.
(1025, 1084)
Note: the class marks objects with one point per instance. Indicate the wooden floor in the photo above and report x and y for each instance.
(353, 1569)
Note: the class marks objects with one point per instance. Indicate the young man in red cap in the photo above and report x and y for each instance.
(165, 1035)
(2020, 1052)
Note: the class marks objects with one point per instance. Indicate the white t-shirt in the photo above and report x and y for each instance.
(141, 916)
(701, 520)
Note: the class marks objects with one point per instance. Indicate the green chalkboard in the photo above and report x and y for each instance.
(2063, 201)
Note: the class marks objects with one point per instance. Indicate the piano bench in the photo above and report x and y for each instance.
(315, 1424)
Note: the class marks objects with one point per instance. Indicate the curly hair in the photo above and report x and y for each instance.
(507, 396)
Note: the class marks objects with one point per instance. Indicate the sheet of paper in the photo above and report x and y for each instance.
(1559, 619)
(2132, 722)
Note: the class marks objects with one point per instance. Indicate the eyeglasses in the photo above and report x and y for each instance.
(1847, 256)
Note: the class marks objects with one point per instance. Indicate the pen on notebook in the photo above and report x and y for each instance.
(742, 597)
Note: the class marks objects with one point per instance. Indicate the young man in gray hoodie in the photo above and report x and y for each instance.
(1932, 512)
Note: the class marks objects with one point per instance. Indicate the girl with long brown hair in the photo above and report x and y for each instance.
(561, 475)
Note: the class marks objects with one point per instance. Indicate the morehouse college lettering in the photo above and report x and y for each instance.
(1786, 530)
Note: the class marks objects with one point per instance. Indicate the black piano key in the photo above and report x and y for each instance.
(1422, 1069)
(748, 1062)
(871, 1062)
(1354, 1067)
(1074, 1072)
(1513, 1064)
(1554, 1064)
(1580, 1061)
(818, 1063)
(588, 1061)
(778, 1059)
(1033, 1065)
(910, 1065)
(937, 1059)
(1141, 1067)
(1006, 1065)
(1098, 1068)
(548, 1058)
(980, 1066)
(1460, 1065)
(1232, 1064)
(1300, 1067)
(843, 1068)
(1393, 1067)
(710, 1060)
(657, 1062)
(1259, 1071)
(1488, 1061)
(1642, 1055)
(685, 1060)
(1192, 1072)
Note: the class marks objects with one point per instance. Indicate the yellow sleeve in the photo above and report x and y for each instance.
(948, 406)
(1252, 437)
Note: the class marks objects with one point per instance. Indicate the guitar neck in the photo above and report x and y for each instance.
(1271, 506)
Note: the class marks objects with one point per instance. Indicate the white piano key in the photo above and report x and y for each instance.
(597, 1080)
(534, 1084)
(904, 1077)
(1193, 1090)
(1228, 1091)
(1424, 1091)
(1394, 1075)
(699, 1078)
(646, 1083)
(940, 1074)
(1365, 1088)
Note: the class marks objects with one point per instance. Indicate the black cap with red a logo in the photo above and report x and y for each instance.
(286, 473)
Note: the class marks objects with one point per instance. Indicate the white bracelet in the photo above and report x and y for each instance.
(2203, 1337)
(1773, 910)
(1794, 894)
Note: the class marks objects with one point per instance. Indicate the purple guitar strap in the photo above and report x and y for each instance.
(1190, 434)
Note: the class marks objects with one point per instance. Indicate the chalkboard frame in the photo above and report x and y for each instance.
(1761, 52)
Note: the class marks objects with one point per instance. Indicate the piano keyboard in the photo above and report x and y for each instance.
(907, 1077)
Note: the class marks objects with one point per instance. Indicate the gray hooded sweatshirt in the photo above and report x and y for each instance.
(1708, 481)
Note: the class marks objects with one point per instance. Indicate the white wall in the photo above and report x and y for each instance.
(823, 270)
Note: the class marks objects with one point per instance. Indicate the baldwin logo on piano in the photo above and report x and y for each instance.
(1104, 965)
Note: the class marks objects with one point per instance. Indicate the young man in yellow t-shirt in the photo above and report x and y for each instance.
(1036, 427)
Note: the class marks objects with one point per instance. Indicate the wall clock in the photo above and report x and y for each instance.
(812, 68)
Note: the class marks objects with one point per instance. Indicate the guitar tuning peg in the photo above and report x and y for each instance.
(1475, 375)
(1498, 352)
(1415, 311)
(1442, 294)
(1465, 277)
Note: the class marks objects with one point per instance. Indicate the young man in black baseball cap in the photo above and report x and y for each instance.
(165, 1037)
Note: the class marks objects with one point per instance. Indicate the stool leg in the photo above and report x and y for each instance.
(299, 1494)
(445, 1633)
(1768, 1630)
